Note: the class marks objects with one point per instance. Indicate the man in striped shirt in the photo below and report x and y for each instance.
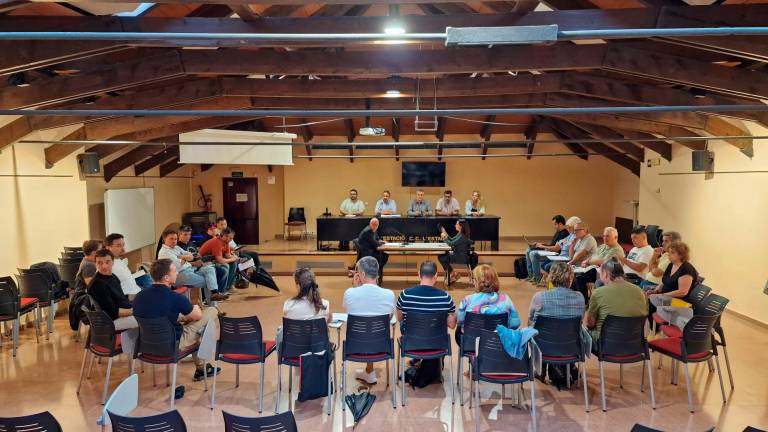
(425, 298)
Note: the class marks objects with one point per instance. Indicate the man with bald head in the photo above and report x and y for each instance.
(368, 243)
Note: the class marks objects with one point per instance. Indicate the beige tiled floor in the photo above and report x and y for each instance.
(44, 377)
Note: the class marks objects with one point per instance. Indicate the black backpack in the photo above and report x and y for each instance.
(425, 373)
(521, 271)
(558, 375)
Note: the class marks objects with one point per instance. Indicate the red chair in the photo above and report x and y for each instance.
(696, 345)
(241, 342)
(103, 341)
(13, 307)
(34, 284)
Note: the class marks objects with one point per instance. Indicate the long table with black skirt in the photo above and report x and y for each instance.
(408, 229)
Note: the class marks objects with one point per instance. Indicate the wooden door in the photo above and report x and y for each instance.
(241, 208)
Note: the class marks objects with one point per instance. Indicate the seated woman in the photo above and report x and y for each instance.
(677, 281)
(560, 301)
(475, 205)
(307, 304)
(460, 246)
(486, 300)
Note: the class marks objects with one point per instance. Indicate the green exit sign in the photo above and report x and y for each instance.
(237, 174)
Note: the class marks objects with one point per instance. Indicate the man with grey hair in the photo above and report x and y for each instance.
(660, 260)
(561, 247)
(368, 242)
(587, 272)
(584, 245)
(366, 298)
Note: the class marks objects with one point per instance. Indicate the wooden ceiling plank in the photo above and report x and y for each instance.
(14, 131)
(156, 159)
(574, 147)
(608, 134)
(663, 148)
(574, 132)
(56, 152)
(170, 166)
(244, 12)
(112, 168)
(104, 150)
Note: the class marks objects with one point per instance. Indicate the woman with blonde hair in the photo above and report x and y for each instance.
(486, 299)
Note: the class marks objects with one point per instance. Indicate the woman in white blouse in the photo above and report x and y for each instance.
(307, 304)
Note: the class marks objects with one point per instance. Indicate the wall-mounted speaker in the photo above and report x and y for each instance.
(88, 163)
(702, 160)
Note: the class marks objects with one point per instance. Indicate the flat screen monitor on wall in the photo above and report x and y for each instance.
(424, 174)
(131, 212)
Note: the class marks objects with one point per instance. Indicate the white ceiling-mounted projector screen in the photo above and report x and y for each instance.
(235, 154)
(131, 212)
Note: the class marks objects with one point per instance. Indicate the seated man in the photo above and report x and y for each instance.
(419, 206)
(108, 295)
(185, 237)
(532, 255)
(448, 206)
(425, 298)
(636, 262)
(386, 205)
(191, 273)
(352, 206)
(368, 243)
(160, 301)
(366, 298)
(584, 245)
(609, 249)
(88, 265)
(617, 297)
(236, 250)
(115, 243)
(218, 248)
(659, 260)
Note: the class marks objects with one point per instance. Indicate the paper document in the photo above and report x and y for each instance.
(139, 273)
(390, 216)
(246, 265)
(583, 269)
(546, 253)
(558, 258)
(342, 317)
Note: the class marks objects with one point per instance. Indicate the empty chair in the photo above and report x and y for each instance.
(35, 285)
(493, 365)
(241, 342)
(158, 345)
(68, 272)
(368, 340)
(559, 341)
(426, 338)
(102, 341)
(122, 401)
(170, 421)
(73, 254)
(70, 261)
(13, 307)
(622, 340)
(297, 221)
(301, 337)
(696, 345)
(472, 326)
(283, 422)
(654, 235)
(42, 422)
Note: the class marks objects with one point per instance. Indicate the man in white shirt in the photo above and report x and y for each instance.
(636, 262)
(115, 243)
(366, 298)
(386, 205)
(352, 206)
(191, 273)
(448, 206)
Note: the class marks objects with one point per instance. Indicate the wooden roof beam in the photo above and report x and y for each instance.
(661, 147)
(170, 166)
(531, 132)
(56, 152)
(485, 133)
(599, 132)
(156, 159)
(574, 147)
(575, 132)
(112, 168)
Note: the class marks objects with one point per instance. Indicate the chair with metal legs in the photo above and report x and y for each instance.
(472, 326)
(301, 337)
(33, 284)
(122, 401)
(559, 341)
(368, 340)
(102, 341)
(493, 365)
(696, 345)
(424, 337)
(622, 340)
(41, 422)
(697, 294)
(241, 343)
(13, 307)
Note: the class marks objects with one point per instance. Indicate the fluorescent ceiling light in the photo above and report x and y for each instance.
(392, 93)
(394, 30)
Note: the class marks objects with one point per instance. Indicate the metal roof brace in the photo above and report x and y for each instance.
(421, 125)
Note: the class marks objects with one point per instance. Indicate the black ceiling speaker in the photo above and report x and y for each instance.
(88, 163)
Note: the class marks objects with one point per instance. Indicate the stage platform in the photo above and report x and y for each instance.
(282, 257)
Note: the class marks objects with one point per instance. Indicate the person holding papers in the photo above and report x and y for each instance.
(587, 272)
(368, 243)
(474, 206)
(386, 205)
(460, 246)
(533, 255)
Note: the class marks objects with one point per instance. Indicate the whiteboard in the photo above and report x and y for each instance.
(131, 212)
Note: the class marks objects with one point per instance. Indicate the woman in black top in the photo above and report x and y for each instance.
(678, 279)
(460, 246)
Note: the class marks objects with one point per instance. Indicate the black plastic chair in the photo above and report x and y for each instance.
(13, 307)
(73, 248)
(68, 272)
(696, 345)
(73, 254)
(34, 284)
(64, 261)
(157, 344)
(654, 235)
(102, 341)
(698, 293)
(368, 340)
(283, 422)
(170, 421)
(41, 422)
(241, 342)
(471, 328)
(467, 262)
(296, 219)
(301, 337)
(425, 338)
(559, 341)
(622, 340)
(493, 365)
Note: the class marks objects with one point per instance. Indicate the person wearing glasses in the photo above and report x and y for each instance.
(609, 249)
(460, 246)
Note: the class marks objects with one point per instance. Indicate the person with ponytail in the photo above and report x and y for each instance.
(486, 299)
(307, 304)
(616, 297)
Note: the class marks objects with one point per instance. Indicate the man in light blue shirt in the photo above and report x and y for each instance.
(386, 206)
(419, 206)
(352, 206)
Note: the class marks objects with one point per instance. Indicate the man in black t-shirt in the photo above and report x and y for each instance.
(532, 255)
(106, 291)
